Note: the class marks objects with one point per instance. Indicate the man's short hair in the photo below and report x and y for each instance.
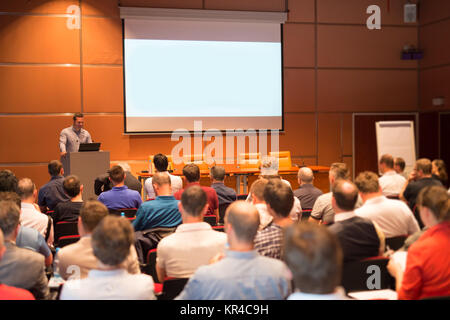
(339, 170)
(314, 256)
(279, 196)
(306, 175)
(54, 167)
(437, 199)
(10, 196)
(345, 198)
(116, 174)
(424, 165)
(400, 162)
(77, 115)
(161, 162)
(257, 188)
(161, 179)
(244, 218)
(192, 172)
(8, 181)
(112, 239)
(218, 173)
(91, 213)
(25, 188)
(367, 182)
(388, 160)
(9, 216)
(72, 186)
(193, 200)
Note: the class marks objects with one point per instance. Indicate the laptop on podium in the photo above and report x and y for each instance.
(95, 146)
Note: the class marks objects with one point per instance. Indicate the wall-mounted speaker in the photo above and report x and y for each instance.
(410, 13)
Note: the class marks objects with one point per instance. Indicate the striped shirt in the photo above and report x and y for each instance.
(269, 240)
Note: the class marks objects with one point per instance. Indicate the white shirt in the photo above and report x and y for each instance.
(109, 285)
(344, 216)
(264, 216)
(323, 210)
(192, 245)
(32, 218)
(393, 217)
(175, 181)
(391, 183)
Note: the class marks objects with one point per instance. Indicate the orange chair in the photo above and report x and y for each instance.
(249, 160)
(284, 159)
(196, 159)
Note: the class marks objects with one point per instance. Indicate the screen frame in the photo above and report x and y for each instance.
(191, 131)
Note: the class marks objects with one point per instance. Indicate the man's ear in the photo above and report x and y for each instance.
(180, 207)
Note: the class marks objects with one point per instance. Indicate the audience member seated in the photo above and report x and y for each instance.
(439, 171)
(391, 182)
(314, 256)
(31, 215)
(8, 181)
(29, 238)
(111, 244)
(257, 192)
(392, 216)
(399, 167)
(161, 163)
(322, 210)
(21, 268)
(191, 173)
(279, 199)
(225, 194)
(80, 254)
(306, 193)
(119, 197)
(102, 182)
(427, 272)
(193, 244)
(7, 292)
(70, 210)
(419, 178)
(242, 274)
(51, 193)
(161, 212)
(359, 237)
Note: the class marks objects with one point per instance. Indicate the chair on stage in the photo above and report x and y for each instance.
(284, 159)
(249, 160)
(196, 159)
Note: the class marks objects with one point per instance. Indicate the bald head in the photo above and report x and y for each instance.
(305, 175)
(345, 194)
(244, 220)
(25, 188)
(161, 179)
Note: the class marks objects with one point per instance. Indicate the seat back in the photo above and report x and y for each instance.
(172, 287)
(222, 209)
(367, 274)
(219, 228)
(284, 159)
(151, 165)
(150, 267)
(65, 228)
(396, 243)
(416, 212)
(66, 240)
(241, 196)
(129, 212)
(306, 213)
(211, 219)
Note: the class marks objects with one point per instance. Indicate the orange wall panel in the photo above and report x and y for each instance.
(367, 90)
(108, 8)
(354, 11)
(37, 6)
(103, 89)
(181, 4)
(356, 46)
(329, 144)
(42, 89)
(434, 10)
(102, 40)
(347, 134)
(298, 42)
(434, 83)
(38, 173)
(349, 162)
(301, 10)
(299, 90)
(38, 39)
(299, 136)
(434, 43)
(246, 5)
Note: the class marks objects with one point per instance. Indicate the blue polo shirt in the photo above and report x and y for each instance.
(161, 212)
(120, 197)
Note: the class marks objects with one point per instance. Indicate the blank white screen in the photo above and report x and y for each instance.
(180, 71)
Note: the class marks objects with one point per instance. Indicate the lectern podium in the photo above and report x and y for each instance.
(86, 166)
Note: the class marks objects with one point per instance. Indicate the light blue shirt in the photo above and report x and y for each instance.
(239, 276)
(69, 139)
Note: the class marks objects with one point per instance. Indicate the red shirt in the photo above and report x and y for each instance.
(213, 200)
(427, 271)
(12, 293)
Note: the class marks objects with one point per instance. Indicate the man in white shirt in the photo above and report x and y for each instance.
(193, 244)
(393, 217)
(111, 243)
(257, 192)
(391, 182)
(30, 215)
(161, 163)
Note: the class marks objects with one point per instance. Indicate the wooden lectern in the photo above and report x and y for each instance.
(86, 166)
